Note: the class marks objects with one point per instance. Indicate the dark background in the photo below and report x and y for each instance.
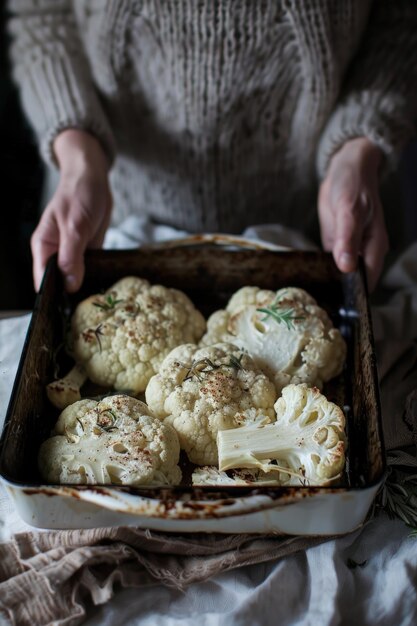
(21, 179)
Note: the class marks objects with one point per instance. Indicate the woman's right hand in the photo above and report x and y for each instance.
(78, 214)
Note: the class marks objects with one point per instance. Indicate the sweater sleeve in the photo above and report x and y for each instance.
(52, 73)
(379, 98)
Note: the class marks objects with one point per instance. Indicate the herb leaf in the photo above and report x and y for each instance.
(80, 423)
(204, 366)
(106, 420)
(280, 314)
(99, 332)
(398, 496)
(108, 304)
(235, 362)
(200, 367)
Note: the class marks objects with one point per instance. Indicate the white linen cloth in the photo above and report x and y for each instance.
(367, 577)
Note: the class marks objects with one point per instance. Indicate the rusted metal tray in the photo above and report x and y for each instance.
(209, 274)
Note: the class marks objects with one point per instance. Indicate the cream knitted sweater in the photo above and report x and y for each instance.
(218, 113)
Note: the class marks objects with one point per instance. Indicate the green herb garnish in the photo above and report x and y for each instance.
(204, 366)
(398, 496)
(80, 423)
(200, 367)
(99, 332)
(234, 362)
(279, 314)
(108, 304)
(109, 417)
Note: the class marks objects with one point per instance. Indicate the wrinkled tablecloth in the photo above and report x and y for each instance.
(366, 577)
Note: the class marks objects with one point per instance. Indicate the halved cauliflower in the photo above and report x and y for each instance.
(122, 336)
(307, 441)
(200, 391)
(287, 334)
(114, 441)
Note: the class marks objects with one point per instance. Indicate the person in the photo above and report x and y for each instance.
(213, 115)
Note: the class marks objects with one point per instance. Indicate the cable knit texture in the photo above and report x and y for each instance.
(223, 112)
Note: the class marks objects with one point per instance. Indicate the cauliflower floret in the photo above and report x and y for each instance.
(122, 336)
(289, 337)
(307, 441)
(67, 390)
(202, 391)
(114, 441)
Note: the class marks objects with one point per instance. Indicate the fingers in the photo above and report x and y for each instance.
(76, 218)
(351, 227)
(352, 216)
(360, 230)
(62, 229)
(74, 236)
(44, 243)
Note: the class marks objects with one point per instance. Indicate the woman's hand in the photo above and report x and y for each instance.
(350, 212)
(79, 212)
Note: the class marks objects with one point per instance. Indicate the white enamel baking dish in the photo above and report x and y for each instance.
(209, 274)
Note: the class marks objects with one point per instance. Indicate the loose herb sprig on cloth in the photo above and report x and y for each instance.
(280, 314)
(398, 496)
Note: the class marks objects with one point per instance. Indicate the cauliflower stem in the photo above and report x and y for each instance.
(307, 440)
(67, 390)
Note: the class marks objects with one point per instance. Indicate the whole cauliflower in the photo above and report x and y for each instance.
(122, 336)
(307, 441)
(200, 391)
(287, 334)
(114, 441)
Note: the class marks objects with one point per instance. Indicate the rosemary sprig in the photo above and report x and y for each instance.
(398, 496)
(200, 367)
(234, 362)
(108, 304)
(109, 422)
(279, 314)
(80, 423)
(99, 332)
(206, 365)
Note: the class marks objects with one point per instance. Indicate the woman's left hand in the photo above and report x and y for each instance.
(350, 212)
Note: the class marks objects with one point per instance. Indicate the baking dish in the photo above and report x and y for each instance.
(209, 274)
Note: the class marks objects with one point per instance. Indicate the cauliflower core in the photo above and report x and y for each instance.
(289, 337)
(200, 391)
(66, 391)
(122, 336)
(115, 441)
(307, 441)
(210, 475)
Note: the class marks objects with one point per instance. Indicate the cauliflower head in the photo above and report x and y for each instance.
(287, 334)
(200, 391)
(122, 336)
(307, 441)
(114, 441)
